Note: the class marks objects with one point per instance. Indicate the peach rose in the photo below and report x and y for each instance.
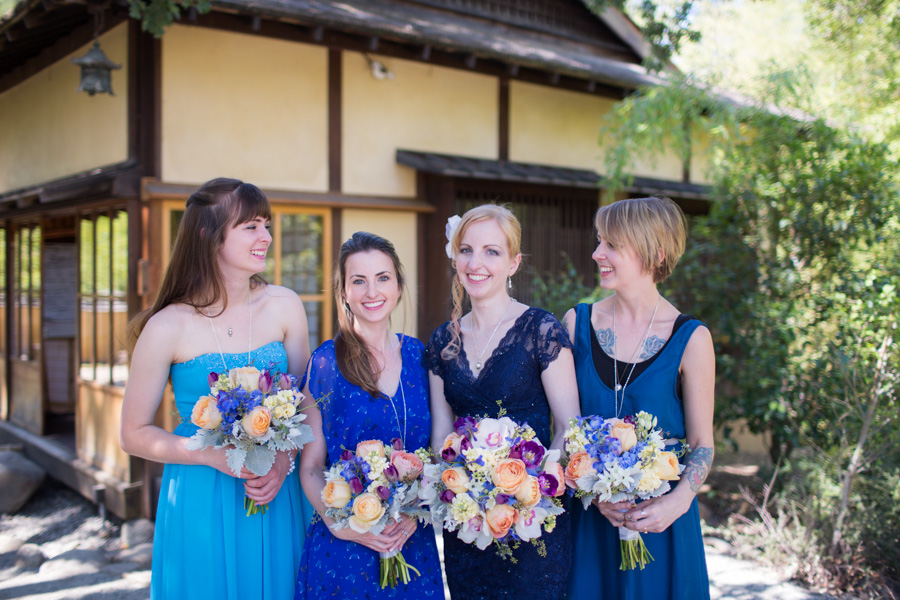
(408, 465)
(336, 494)
(367, 447)
(205, 414)
(452, 441)
(509, 475)
(580, 464)
(367, 510)
(529, 492)
(667, 466)
(256, 422)
(625, 433)
(500, 518)
(455, 478)
(245, 377)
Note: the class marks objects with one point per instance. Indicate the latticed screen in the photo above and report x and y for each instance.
(557, 227)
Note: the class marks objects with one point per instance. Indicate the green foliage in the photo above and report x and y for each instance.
(666, 24)
(156, 15)
(558, 292)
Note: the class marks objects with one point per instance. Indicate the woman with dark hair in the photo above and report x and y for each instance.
(500, 356)
(214, 312)
(635, 351)
(369, 385)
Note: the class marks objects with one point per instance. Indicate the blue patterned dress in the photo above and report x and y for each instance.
(678, 571)
(336, 568)
(511, 376)
(205, 546)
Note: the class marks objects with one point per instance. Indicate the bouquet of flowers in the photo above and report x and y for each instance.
(495, 483)
(612, 460)
(366, 489)
(253, 414)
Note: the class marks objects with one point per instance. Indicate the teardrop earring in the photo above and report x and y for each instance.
(509, 283)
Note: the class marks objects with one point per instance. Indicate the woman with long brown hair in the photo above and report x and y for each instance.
(214, 312)
(369, 385)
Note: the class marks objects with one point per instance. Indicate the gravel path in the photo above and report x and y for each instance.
(82, 550)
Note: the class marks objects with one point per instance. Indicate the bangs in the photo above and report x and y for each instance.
(247, 203)
(609, 224)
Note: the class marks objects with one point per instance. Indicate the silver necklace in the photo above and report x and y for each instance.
(249, 338)
(617, 386)
(478, 364)
(402, 431)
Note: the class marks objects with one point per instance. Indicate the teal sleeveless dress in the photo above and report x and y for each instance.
(678, 571)
(205, 546)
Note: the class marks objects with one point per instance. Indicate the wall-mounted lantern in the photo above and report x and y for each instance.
(96, 66)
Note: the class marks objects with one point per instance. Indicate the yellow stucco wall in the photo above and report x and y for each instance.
(701, 160)
(558, 127)
(49, 130)
(243, 106)
(400, 227)
(423, 107)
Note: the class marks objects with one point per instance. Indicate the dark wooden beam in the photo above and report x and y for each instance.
(144, 100)
(335, 92)
(513, 70)
(318, 34)
(426, 53)
(554, 79)
(471, 61)
(256, 23)
(373, 43)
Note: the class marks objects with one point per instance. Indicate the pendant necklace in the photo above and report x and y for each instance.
(621, 387)
(400, 431)
(249, 337)
(478, 364)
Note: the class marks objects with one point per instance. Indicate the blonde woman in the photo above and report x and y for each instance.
(635, 351)
(502, 355)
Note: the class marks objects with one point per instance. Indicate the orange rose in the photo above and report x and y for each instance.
(367, 510)
(365, 448)
(667, 466)
(256, 422)
(625, 433)
(452, 441)
(556, 470)
(529, 492)
(336, 494)
(206, 413)
(580, 464)
(500, 518)
(245, 377)
(408, 465)
(509, 475)
(455, 478)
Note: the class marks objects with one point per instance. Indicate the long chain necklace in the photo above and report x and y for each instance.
(249, 337)
(478, 364)
(618, 386)
(402, 431)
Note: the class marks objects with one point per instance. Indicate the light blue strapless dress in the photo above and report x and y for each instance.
(205, 546)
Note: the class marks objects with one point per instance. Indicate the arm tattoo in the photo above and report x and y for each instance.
(697, 466)
(606, 340)
(652, 345)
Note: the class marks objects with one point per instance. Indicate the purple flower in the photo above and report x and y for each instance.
(284, 382)
(265, 382)
(356, 485)
(464, 444)
(212, 378)
(397, 443)
(347, 455)
(549, 484)
(447, 496)
(503, 498)
(448, 454)
(383, 492)
(391, 473)
(532, 453)
(465, 425)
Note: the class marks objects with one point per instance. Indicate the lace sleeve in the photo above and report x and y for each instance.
(551, 337)
(322, 371)
(431, 359)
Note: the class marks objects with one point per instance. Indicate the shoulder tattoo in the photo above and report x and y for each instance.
(652, 345)
(606, 340)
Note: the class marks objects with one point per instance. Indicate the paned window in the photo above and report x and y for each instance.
(103, 297)
(26, 339)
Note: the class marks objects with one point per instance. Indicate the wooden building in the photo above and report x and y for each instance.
(380, 115)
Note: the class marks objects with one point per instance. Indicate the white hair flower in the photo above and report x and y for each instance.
(450, 229)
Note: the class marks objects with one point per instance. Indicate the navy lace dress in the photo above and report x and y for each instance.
(512, 376)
